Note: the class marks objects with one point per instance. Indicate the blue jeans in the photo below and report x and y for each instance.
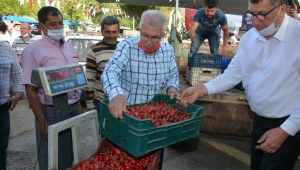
(98, 108)
(4, 133)
(213, 37)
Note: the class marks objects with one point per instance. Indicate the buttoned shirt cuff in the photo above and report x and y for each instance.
(210, 88)
(289, 127)
(20, 88)
(114, 92)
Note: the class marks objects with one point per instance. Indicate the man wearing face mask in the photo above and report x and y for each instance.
(50, 50)
(268, 63)
(141, 67)
(22, 41)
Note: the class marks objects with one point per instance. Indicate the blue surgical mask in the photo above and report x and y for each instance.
(55, 34)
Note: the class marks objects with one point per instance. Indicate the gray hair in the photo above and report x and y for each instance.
(156, 19)
(109, 20)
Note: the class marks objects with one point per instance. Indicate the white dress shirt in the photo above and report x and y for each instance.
(270, 71)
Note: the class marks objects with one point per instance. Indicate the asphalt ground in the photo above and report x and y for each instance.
(205, 152)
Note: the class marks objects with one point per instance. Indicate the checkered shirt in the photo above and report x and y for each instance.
(137, 75)
(10, 72)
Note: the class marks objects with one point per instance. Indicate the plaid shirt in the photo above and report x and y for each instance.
(10, 72)
(137, 75)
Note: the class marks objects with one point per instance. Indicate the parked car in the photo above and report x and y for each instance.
(81, 45)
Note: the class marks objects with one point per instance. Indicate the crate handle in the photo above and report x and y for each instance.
(207, 57)
(207, 71)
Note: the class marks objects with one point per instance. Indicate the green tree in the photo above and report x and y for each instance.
(135, 10)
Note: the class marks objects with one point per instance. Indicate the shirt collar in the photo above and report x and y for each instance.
(30, 36)
(46, 38)
(280, 34)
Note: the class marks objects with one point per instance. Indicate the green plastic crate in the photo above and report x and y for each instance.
(139, 137)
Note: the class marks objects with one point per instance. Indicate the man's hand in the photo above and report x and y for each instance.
(191, 94)
(192, 30)
(93, 108)
(43, 124)
(224, 49)
(80, 108)
(193, 36)
(292, 12)
(14, 100)
(172, 92)
(272, 140)
(117, 106)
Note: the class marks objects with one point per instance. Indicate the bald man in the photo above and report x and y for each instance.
(22, 41)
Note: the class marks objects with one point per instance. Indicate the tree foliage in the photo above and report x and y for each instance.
(135, 10)
(70, 12)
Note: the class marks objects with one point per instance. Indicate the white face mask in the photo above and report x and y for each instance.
(270, 30)
(25, 35)
(55, 34)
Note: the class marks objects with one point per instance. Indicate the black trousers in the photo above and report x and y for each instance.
(4, 133)
(284, 158)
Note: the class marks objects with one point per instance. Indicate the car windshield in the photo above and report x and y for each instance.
(81, 47)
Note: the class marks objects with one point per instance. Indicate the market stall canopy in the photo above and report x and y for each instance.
(228, 6)
(70, 23)
(20, 19)
(238, 7)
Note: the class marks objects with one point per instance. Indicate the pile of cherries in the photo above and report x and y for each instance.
(160, 113)
(113, 158)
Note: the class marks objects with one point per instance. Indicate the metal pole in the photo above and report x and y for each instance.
(176, 16)
(133, 28)
(65, 150)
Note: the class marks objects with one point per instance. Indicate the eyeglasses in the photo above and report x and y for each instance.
(153, 39)
(260, 17)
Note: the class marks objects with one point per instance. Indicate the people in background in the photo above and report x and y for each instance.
(233, 38)
(4, 35)
(97, 57)
(292, 12)
(23, 40)
(273, 95)
(7, 22)
(207, 24)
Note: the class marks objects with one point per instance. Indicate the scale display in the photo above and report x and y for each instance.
(59, 79)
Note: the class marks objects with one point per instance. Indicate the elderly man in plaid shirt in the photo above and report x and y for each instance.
(10, 73)
(141, 67)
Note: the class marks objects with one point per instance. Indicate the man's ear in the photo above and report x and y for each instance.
(40, 26)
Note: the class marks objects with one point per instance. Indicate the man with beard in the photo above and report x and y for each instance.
(207, 24)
